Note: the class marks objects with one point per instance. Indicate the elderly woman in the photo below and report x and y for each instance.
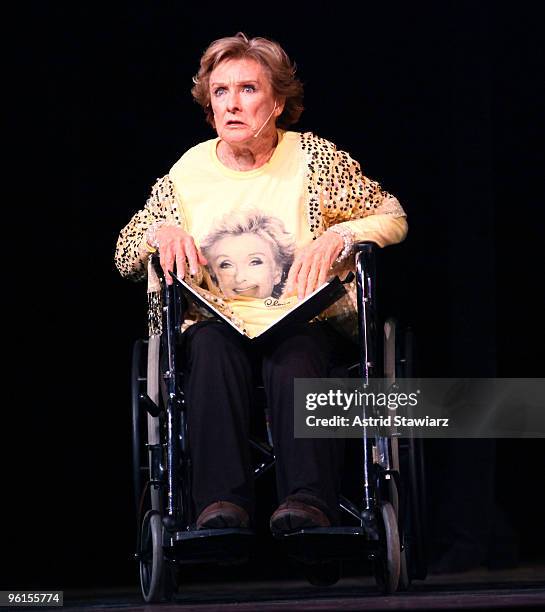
(323, 203)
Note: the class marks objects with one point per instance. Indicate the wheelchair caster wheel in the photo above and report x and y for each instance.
(156, 580)
(323, 574)
(388, 560)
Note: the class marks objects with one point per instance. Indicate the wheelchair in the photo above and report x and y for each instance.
(388, 517)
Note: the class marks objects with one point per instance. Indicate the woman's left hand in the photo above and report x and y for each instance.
(312, 264)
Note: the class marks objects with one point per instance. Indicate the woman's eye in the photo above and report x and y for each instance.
(248, 88)
(256, 261)
(224, 265)
(219, 91)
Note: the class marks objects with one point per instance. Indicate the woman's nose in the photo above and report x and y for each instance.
(239, 276)
(233, 102)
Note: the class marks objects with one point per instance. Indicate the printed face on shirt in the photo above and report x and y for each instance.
(242, 101)
(244, 265)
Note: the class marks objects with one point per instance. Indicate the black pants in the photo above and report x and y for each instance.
(219, 374)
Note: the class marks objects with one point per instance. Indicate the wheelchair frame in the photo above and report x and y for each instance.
(391, 513)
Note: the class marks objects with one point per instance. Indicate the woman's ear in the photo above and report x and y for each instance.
(279, 103)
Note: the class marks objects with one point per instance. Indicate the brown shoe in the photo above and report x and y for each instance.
(294, 515)
(223, 515)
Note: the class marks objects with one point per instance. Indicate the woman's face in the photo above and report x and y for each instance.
(244, 265)
(242, 99)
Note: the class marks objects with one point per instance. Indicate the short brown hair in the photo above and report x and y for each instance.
(270, 55)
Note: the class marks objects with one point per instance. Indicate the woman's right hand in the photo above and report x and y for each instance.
(174, 246)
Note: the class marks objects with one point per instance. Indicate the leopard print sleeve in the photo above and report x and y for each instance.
(364, 209)
(377, 201)
(337, 190)
(355, 196)
(131, 254)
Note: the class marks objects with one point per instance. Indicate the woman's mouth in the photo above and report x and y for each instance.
(241, 290)
(234, 123)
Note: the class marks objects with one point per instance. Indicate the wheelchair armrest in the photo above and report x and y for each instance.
(365, 260)
(156, 263)
(366, 246)
(365, 264)
(174, 304)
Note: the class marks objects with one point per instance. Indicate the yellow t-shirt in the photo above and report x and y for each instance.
(249, 225)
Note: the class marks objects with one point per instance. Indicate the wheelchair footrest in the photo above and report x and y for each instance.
(321, 544)
(229, 546)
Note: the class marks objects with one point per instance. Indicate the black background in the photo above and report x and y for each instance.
(439, 101)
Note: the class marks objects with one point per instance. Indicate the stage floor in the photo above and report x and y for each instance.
(523, 587)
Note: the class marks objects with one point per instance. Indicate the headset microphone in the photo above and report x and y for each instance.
(266, 121)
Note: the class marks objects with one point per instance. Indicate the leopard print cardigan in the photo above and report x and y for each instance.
(335, 191)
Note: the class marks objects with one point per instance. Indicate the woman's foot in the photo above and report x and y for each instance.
(223, 515)
(293, 515)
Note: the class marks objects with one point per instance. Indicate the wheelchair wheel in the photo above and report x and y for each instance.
(404, 575)
(323, 574)
(388, 560)
(155, 575)
(414, 513)
(408, 460)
